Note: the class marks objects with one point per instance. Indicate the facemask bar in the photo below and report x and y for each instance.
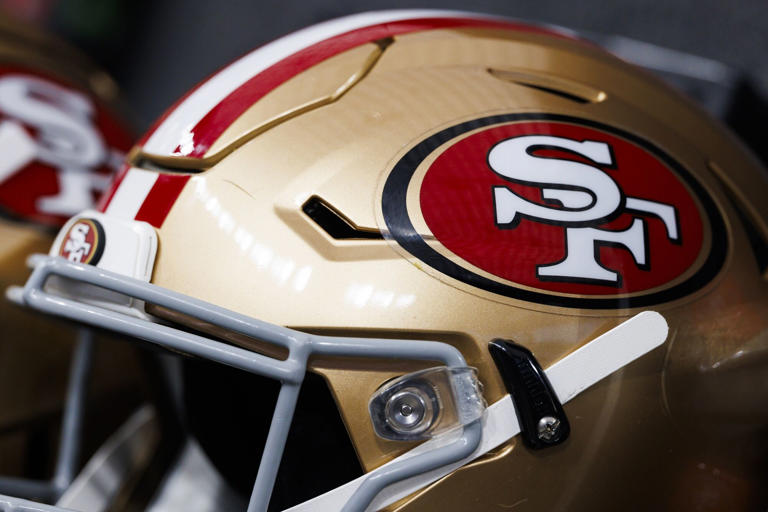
(10, 504)
(290, 372)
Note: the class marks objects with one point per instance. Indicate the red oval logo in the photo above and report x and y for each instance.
(555, 210)
(84, 242)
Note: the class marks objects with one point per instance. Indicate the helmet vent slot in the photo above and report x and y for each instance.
(567, 89)
(550, 90)
(173, 165)
(336, 224)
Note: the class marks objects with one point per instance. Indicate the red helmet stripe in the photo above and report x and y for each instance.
(213, 124)
(213, 121)
(193, 123)
(161, 197)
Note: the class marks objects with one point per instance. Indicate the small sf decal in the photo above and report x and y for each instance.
(556, 210)
(84, 242)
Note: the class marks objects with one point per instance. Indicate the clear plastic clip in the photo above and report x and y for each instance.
(426, 403)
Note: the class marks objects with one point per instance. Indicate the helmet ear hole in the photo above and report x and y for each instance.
(229, 412)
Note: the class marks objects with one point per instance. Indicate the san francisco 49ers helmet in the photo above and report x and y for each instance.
(461, 263)
(61, 140)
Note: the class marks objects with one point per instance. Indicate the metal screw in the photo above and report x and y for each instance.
(408, 411)
(548, 428)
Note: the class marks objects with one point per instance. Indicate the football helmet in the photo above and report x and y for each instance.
(62, 140)
(444, 226)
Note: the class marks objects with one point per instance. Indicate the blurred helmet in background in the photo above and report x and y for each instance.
(61, 141)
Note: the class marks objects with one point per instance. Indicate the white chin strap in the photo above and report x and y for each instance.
(570, 376)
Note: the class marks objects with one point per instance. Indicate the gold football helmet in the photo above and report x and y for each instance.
(61, 141)
(464, 264)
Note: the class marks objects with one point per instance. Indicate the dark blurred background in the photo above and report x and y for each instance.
(717, 51)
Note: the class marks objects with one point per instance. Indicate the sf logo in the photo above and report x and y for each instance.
(77, 247)
(578, 196)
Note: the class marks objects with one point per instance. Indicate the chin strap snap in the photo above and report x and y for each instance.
(543, 422)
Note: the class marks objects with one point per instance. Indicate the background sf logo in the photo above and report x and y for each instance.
(582, 196)
(47, 123)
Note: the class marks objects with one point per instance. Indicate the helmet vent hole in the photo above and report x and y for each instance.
(567, 89)
(335, 224)
(562, 94)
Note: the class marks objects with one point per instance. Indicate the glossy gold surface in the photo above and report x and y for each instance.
(274, 114)
(677, 429)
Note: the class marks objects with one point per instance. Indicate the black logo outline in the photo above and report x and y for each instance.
(401, 228)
